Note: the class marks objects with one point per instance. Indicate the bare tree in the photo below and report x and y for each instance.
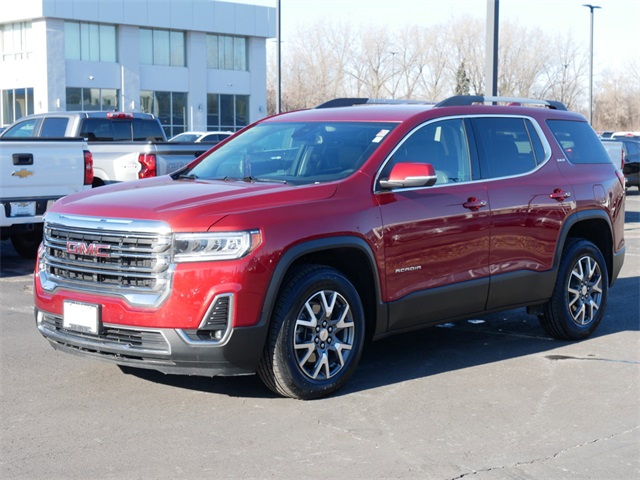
(564, 73)
(324, 61)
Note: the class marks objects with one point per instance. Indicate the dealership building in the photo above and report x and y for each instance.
(196, 64)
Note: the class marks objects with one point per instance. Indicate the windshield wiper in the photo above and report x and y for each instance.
(252, 179)
(191, 176)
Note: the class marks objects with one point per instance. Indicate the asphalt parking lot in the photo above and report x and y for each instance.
(489, 398)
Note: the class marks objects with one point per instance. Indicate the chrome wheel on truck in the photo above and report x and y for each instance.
(316, 335)
(577, 304)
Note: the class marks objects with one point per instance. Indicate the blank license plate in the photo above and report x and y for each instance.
(81, 317)
(23, 209)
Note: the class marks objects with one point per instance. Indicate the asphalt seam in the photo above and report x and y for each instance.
(550, 457)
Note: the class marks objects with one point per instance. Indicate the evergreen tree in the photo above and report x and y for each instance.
(462, 81)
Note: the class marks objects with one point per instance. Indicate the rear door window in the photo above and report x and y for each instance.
(578, 141)
(507, 146)
(54, 127)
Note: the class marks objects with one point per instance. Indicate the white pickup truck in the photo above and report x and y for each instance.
(33, 175)
(125, 146)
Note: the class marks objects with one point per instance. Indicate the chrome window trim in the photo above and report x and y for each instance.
(543, 139)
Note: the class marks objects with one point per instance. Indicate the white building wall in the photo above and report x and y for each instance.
(49, 73)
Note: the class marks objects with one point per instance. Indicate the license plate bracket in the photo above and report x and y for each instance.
(22, 209)
(81, 317)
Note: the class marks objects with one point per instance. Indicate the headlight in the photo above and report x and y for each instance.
(205, 247)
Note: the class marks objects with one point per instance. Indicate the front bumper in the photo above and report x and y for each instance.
(167, 350)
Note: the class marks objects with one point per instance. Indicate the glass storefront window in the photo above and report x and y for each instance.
(227, 112)
(169, 107)
(92, 99)
(15, 104)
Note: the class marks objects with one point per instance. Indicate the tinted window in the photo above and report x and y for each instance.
(144, 130)
(632, 151)
(578, 141)
(54, 127)
(105, 130)
(442, 144)
(538, 148)
(505, 146)
(22, 129)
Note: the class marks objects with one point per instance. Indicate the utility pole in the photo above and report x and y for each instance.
(591, 9)
(278, 61)
(491, 62)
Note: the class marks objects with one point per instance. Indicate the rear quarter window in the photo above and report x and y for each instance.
(579, 142)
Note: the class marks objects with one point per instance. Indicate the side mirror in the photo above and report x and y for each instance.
(406, 175)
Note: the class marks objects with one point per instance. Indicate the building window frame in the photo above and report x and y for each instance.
(160, 47)
(15, 103)
(92, 42)
(226, 52)
(15, 41)
(227, 112)
(92, 99)
(169, 107)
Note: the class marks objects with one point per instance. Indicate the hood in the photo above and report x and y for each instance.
(187, 205)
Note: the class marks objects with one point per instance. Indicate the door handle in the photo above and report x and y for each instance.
(474, 204)
(559, 194)
(23, 159)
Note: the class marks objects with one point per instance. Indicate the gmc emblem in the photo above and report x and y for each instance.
(92, 249)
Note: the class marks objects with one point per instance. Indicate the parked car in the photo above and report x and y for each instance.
(284, 248)
(631, 148)
(125, 146)
(201, 137)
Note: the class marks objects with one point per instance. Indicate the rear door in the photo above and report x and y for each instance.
(529, 202)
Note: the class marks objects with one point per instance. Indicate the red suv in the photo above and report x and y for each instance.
(282, 250)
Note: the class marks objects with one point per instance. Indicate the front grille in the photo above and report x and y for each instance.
(111, 336)
(129, 258)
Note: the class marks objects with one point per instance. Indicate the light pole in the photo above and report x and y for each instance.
(278, 60)
(591, 9)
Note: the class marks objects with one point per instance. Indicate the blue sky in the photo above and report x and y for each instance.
(616, 24)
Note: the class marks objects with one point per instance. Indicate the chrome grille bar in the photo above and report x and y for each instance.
(126, 257)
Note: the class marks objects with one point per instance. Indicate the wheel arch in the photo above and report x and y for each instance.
(352, 256)
(592, 225)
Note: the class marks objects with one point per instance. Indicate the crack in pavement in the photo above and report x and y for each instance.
(550, 457)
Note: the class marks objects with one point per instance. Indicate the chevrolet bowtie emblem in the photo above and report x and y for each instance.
(24, 173)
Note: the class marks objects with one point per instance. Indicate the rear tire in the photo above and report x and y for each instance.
(579, 298)
(316, 335)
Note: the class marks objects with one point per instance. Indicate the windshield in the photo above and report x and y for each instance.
(297, 153)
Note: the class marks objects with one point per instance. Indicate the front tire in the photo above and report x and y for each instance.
(316, 334)
(580, 294)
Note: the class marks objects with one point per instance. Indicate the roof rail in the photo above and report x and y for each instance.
(349, 101)
(460, 100)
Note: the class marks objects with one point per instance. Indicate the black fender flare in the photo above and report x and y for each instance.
(573, 220)
(318, 245)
